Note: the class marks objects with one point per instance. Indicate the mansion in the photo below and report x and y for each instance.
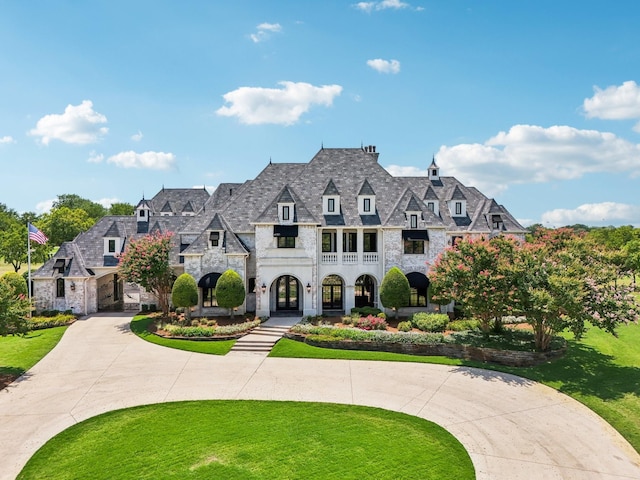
(306, 238)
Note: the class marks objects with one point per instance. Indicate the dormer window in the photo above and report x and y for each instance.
(214, 239)
(496, 222)
(331, 200)
(458, 208)
(431, 206)
(112, 246)
(458, 203)
(286, 207)
(286, 213)
(366, 200)
(142, 213)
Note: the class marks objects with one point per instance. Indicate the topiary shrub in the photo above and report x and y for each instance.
(404, 326)
(184, 293)
(230, 291)
(430, 322)
(395, 291)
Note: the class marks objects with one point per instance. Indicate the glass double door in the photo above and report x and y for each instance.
(287, 293)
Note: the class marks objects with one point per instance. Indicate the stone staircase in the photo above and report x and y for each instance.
(262, 339)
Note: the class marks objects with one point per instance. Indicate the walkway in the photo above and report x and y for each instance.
(512, 428)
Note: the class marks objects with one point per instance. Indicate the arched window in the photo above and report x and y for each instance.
(332, 288)
(364, 291)
(208, 286)
(419, 284)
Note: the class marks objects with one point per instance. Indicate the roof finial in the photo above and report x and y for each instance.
(361, 145)
(269, 159)
(321, 145)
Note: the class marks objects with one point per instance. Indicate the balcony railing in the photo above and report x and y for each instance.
(329, 258)
(349, 258)
(369, 258)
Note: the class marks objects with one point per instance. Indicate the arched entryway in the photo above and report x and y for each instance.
(365, 294)
(332, 293)
(419, 284)
(207, 285)
(287, 294)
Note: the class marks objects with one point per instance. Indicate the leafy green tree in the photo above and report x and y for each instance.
(14, 309)
(184, 293)
(121, 208)
(72, 201)
(17, 282)
(395, 291)
(63, 224)
(230, 292)
(13, 245)
(146, 262)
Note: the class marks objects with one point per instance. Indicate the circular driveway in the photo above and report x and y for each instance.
(512, 428)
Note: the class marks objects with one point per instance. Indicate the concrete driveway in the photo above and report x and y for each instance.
(512, 428)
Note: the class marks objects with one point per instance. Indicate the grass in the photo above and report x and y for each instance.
(19, 354)
(7, 267)
(601, 371)
(214, 347)
(252, 440)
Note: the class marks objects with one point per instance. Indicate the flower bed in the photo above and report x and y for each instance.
(431, 344)
(208, 330)
(58, 320)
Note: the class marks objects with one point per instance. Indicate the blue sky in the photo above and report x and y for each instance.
(536, 103)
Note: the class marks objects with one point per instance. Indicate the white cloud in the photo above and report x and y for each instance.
(79, 124)
(107, 202)
(148, 160)
(606, 213)
(533, 154)
(264, 31)
(45, 205)
(402, 171)
(6, 140)
(382, 5)
(136, 137)
(384, 66)
(95, 157)
(282, 106)
(614, 102)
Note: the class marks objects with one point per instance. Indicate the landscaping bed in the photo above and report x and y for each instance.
(513, 346)
(203, 328)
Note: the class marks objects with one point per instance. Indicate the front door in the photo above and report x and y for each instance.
(332, 293)
(287, 289)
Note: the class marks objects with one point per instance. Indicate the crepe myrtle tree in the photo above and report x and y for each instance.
(230, 292)
(184, 293)
(145, 261)
(395, 291)
(14, 308)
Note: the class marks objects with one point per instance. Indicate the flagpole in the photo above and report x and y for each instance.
(29, 266)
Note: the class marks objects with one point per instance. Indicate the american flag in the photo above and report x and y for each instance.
(36, 235)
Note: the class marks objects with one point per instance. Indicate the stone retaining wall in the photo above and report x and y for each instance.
(512, 358)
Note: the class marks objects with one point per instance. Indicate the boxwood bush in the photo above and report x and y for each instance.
(430, 322)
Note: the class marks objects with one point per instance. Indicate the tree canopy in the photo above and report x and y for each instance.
(146, 262)
(395, 291)
(230, 292)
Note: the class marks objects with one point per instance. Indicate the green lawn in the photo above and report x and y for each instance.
(19, 354)
(7, 267)
(252, 440)
(214, 347)
(601, 371)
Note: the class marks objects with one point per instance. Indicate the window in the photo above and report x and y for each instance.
(413, 247)
(431, 206)
(214, 238)
(434, 173)
(142, 213)
(329, 240)
(349, 242)
(331, 205)
(60, 287)
(366, 204)
(370, 241)
(209, 297)
(414, 221)
(251, 286)
(458, 208)
(286, 242)
(496, 221)
(285, 213)
(418, 297)
(455, 239)
(112, 246)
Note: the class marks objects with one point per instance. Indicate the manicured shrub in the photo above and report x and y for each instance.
(59, 320)
(404, 326)
(430, 322)
(230, 292)
(17, 282)
(395, 291)
(465, 324)
(184, 293)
